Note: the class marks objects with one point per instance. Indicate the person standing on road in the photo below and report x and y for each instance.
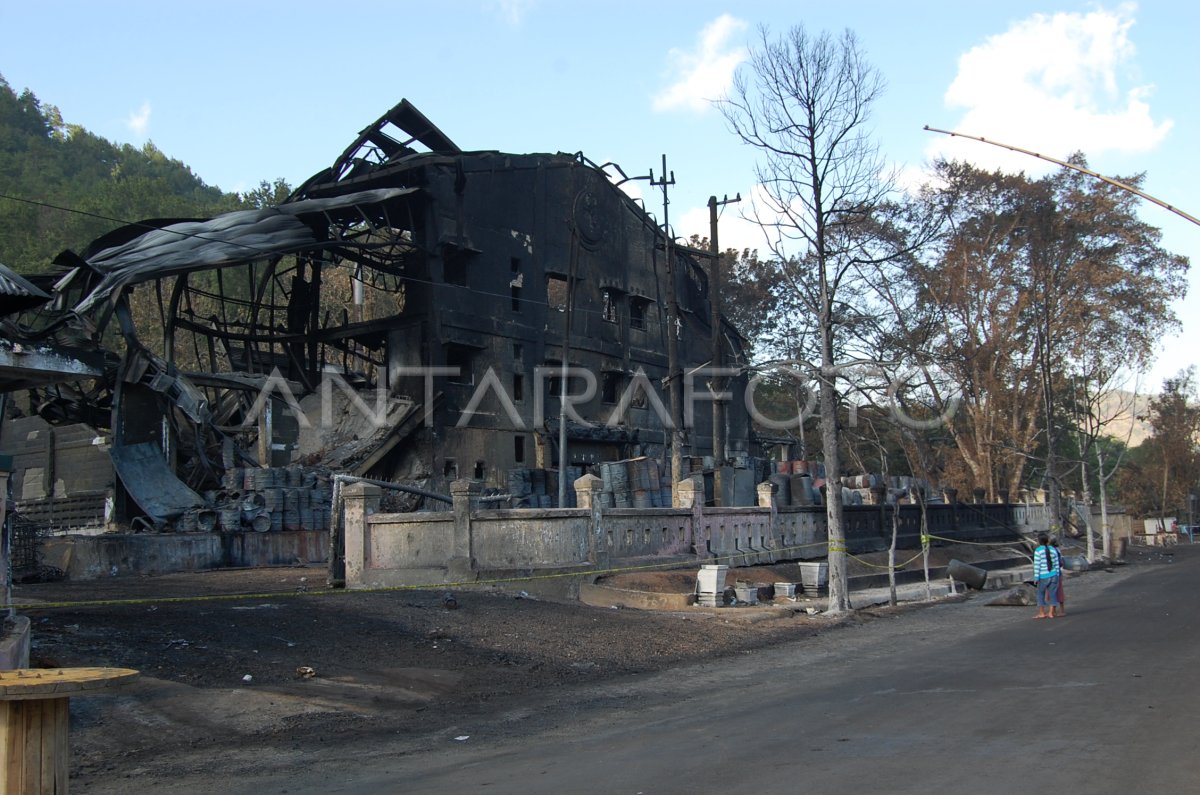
(1047, 571)
(1062, 578)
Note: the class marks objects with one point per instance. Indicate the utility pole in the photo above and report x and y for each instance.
(564, 459)
(714, 293)
(673, 374)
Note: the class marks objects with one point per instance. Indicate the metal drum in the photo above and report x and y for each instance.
(230, 518)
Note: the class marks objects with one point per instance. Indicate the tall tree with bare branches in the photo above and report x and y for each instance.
(804, 103)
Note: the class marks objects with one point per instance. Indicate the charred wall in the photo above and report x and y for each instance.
(511, 231)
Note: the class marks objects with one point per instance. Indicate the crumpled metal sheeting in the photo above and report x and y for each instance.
(202, 242)
(151, 483)
(226, 240)
(13, 283)
(17, 292)
(229, 239)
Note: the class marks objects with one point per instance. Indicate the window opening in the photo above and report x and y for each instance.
(610, 386)
(637, 312)
(460, 356)
(609, 312)
(455, 268)
(556, 292)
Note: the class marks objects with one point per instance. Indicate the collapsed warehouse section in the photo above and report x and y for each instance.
(404, 315)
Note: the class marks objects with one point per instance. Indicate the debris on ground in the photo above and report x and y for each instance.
(1022, 595)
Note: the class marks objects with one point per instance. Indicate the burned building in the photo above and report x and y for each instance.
(405, 314)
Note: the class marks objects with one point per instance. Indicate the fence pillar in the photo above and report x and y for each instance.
(691, 497)
(359, 501)
(587, 495)
(766, 499)
(766, 495)
(691, 494)
(461, 566)
(587, 491)
(951, 497)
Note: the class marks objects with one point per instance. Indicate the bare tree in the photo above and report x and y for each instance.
(804, 102)
(1101, 404)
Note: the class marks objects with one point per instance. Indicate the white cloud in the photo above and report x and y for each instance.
(512, 11)
(139, 121)
(632, 189)
(705, 72)
(1051, 84)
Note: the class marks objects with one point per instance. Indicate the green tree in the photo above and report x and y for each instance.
(1035, 283)
(1165, 469)
(62, 186)
(267, 194)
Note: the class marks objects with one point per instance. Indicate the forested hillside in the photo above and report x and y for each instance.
(46, 164)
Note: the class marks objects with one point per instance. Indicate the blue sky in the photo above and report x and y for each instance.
(247, 91)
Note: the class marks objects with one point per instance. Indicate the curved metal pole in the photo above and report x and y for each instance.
(169, 323)
(387, 484)
(1073, 167)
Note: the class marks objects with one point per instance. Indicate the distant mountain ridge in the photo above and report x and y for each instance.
(1129, 412)
(63, 186)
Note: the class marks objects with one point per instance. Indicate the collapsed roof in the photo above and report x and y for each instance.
(361, 272)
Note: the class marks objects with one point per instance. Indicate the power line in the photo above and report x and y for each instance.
(141, 224)
(1065, 164)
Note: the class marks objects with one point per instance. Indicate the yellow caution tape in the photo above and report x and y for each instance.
(885, 567)
(974, 543)
(391, 588)
(318, 592)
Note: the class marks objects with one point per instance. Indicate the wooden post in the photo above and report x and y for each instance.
(35, 752)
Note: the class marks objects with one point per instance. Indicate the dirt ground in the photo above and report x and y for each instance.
(269, 658)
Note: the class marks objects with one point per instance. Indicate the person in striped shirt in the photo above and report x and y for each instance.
(1047, 569)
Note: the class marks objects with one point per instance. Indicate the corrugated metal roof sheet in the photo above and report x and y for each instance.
(228, 239)
(18, 293)
(14, 284)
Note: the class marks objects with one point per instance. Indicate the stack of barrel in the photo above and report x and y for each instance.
(538, 488)
(876, 489)
(614, 476)
(634, 483)
(798, 483)
(273, 499)
(644, 482)
(864, 490)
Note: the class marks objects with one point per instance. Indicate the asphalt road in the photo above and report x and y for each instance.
(952, 698)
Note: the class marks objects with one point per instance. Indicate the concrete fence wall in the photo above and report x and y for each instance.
(89, 557)
(468, 543)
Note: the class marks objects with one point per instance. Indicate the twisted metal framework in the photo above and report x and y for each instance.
(209, 309)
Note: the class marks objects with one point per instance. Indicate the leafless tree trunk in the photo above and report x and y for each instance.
(804, 103)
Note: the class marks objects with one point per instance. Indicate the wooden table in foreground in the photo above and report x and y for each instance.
(34, 751)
